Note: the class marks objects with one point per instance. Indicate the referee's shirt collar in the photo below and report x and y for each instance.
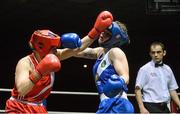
(156, 64)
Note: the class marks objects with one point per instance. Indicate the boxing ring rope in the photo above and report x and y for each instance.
(65, 92)
(68, 93)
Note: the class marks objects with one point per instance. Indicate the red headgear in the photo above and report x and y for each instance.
(44, 40)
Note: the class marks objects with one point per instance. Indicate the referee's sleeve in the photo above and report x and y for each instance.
(141, 78)
(172, 83)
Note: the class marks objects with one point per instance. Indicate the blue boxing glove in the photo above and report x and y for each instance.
(114, 85)
(71, 40)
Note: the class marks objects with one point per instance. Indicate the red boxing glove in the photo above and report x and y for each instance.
(103, 21)
(50, 63)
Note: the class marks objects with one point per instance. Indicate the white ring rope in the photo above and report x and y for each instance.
(68, 92)
(62, 92)
(65, 92)
(56, 112)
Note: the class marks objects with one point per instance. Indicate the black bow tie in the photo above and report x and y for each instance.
(158, 64)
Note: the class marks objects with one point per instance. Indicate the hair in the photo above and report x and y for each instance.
(158, 43)
(123, 26)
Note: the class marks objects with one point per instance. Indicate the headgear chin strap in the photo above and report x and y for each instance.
(43, 41)
(119, 37)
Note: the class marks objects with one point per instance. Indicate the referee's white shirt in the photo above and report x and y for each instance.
(156, 82)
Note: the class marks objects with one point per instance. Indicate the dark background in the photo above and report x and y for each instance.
(19, 18)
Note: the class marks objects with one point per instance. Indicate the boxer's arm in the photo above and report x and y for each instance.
(89, 53)
(119, 81)
(119, 61)
(103, 21)
(25, 80)
(22, 82)
(50, 63)
(66, 53)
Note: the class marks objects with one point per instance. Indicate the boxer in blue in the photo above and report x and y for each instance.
(111, 70)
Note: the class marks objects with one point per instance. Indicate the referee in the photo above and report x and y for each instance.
(155, 83)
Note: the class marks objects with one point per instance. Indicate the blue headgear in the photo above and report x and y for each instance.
(119, 37)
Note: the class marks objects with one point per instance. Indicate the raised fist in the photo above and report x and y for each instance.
(103, 21)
